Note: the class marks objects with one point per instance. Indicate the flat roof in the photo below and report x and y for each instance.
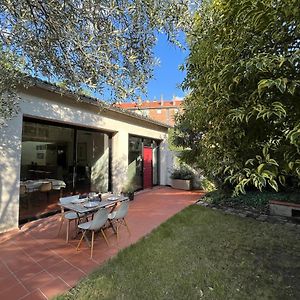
(90, 100)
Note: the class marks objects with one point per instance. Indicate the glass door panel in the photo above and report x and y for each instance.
(47, 153)
(92, 161)
(135, 162)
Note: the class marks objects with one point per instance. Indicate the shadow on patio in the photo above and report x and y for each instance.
(36, 264)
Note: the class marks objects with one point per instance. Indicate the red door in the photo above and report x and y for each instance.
(147, 167)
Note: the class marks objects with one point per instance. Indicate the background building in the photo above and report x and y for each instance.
(159, 110)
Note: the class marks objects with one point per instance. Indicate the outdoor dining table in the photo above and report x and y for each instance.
(83, 210)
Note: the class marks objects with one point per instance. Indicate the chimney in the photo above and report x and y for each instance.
(174, 100)
(161, 100)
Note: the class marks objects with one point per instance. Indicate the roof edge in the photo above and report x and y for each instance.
(32, 81)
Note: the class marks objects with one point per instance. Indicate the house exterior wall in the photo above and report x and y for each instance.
(41, 104)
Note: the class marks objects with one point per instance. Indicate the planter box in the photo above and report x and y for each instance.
(181, 184)
(286, 209)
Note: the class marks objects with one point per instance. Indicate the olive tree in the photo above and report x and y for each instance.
(97, 45)
(242, 118)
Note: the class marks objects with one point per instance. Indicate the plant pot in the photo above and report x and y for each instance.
(130, 195)
(181, 184)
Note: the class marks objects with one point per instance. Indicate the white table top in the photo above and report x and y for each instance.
(80, 208)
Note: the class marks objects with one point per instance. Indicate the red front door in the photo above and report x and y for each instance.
(147, 167)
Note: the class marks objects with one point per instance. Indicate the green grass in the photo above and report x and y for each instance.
(202, 254)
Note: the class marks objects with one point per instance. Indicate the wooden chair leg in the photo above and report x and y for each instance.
(60, 225)
(77, 248)
(104, 235)
(127, 227)
(117, 232)
(92, 245)
(68, 230)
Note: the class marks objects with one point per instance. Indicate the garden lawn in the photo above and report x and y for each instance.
(202, 254)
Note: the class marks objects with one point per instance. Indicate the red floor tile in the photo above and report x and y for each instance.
(72, 276)
(28, 272)
(36, 295)
(7, 282)
(50, 260)
(37, 281)
(18, 262)
(59, 268)
(14, 293)
(54, 287)
(4, 272)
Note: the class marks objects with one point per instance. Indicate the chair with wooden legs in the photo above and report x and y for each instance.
(68, 215)
(46, 187)
(99, 220)
(117, 217)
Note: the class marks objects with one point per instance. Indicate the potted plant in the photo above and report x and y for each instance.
(182, 178)
(128, 191)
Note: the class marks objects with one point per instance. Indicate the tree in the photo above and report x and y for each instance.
(91, 44)
(242, 118)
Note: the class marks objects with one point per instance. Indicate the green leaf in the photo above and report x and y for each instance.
(260, 168)
(281, 179)
(273, 184)
(273, 162)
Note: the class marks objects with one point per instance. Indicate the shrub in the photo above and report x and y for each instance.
(182, 173)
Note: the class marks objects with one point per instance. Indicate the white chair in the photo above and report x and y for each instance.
(117, 217)
(99, 220)
(68, 215)
(46, 187)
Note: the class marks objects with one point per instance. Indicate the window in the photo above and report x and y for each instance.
(158, 111)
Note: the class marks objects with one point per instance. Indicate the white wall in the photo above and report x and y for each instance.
(10, 158)
(50, 106)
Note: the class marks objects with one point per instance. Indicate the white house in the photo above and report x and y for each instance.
(76, 146)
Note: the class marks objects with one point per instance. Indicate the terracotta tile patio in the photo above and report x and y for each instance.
(36, 264)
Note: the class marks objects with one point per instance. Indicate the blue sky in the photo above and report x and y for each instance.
(167, 76)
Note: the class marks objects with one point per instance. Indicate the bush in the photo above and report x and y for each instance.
(182, 173)
(207, 185)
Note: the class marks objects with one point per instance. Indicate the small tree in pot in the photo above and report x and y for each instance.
(128, 190)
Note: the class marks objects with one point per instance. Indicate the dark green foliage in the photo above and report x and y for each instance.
(182, 172)
(241, 122)
(253, 199)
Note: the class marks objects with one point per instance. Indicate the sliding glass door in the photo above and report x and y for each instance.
(92, 168)
(47, 152)
(74, 160)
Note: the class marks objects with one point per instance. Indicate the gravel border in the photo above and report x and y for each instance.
(288, 222)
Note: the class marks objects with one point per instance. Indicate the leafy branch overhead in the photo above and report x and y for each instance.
(93, 44)
(242, 119)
